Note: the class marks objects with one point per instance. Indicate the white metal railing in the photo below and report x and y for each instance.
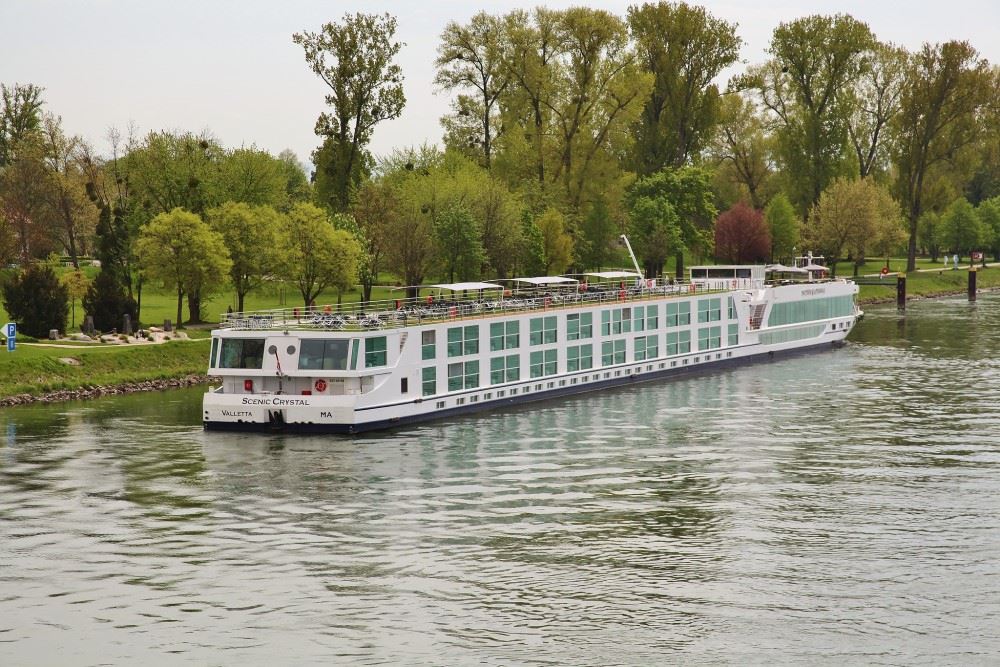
(397, 313)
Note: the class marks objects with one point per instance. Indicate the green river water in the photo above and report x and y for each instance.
(837, 508)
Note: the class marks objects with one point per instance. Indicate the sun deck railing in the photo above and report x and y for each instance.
(418, 311)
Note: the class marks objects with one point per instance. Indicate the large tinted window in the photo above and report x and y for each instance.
(242, 353)
(328, 355)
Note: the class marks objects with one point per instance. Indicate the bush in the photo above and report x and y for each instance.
(37, 301)
(106, 301)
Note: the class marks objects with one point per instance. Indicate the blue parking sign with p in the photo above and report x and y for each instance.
(11, 332)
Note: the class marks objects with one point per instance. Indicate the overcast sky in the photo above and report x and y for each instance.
(230, 67)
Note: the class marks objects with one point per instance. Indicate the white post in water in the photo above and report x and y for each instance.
(635, 263)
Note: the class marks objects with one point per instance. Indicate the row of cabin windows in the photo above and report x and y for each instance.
(507, 368)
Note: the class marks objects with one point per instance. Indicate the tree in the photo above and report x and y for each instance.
(36, 300)
(20, 116)
(853, 218)
(69, 213)
(471, 56)
(171, 170)
(598, 234)
(22, 195)
(929, 232)
(741, 235)
(805, 86)
(685, 48)
(376, 210)
(945, 86)
(678, 214)
(741, 142)
(355, 60)
(106, 302)
(876, 94)
(557, 244)
(961, 229)
(989, 222)
(76, 284)
(250, 234)
(783, 226)
(253, 177)
(183, 253)
(459, 242)
(316, 255)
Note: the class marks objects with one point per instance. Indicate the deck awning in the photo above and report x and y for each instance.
(461, 287)
(613, 275)
(781, 268)
(815, 267)
(546, 280)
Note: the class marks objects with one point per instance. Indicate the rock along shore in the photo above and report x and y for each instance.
(108, 390)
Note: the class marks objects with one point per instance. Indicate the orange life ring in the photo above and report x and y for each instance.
(452, 312)
(320, 385)
(621, 295)
(548, 301)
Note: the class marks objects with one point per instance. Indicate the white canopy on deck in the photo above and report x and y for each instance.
(546, 280)
(613, 275)
(781, 268)
(461, 287)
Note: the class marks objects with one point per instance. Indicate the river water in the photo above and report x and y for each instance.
(836, 508)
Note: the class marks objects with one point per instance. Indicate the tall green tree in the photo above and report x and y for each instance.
(36, 300)
(742, 143)
(805, 86)
(946, 85)
(355, 60)
(250, 234)
(376, 210)
(961, 228)
(20, 116)
(989, 222)
(459, 242)
(254, 177)
(182, 252)
(471, 57)
(876, 93)
(598, 234)
(557, 244)
(317, 256)
(685, 48)
(784, 226)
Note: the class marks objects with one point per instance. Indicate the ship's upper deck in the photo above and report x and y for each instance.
(457, 301)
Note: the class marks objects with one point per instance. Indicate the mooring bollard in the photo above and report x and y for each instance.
(901, 291)
(127, 324)
(972, 283)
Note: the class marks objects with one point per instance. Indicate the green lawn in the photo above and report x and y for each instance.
(36, 370)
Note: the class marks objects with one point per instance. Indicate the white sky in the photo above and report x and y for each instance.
(230, 66)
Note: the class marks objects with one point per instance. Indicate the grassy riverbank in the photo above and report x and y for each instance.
(931, 283)
(38, 370)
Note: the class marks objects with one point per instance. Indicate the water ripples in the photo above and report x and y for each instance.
(841, 504)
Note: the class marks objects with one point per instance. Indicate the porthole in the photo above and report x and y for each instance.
(291, 349)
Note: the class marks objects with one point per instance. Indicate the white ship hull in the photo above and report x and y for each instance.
(398, 378)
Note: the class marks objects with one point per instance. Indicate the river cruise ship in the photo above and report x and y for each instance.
(465, 347)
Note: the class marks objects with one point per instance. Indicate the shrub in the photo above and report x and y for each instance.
(37, 301)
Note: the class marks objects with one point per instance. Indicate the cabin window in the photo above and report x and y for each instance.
(579, 325)
(215, 351)
(319, 354)
(612, 352)
(616, 321)
(734, 334)
(542, 330)
(709, 310)
(428, 385)
(646, 347)
(811, 309)
(428, 348)
(709, 338)
(242, 353)
(505, 369)
(679, 314)
(731, 313)
(463, 340)
(652, 317)
(404, 385)
(354, 354)
(375, 355)
(579, 358)
(463, 375)
(505, 335)
(678, 342)
(543, 362)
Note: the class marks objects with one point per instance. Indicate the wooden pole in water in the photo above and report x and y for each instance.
(901, 291)
(972, 283)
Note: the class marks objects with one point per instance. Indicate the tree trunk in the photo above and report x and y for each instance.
(194, 308)
(180, 305)
(239, 301)
(680, 266)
